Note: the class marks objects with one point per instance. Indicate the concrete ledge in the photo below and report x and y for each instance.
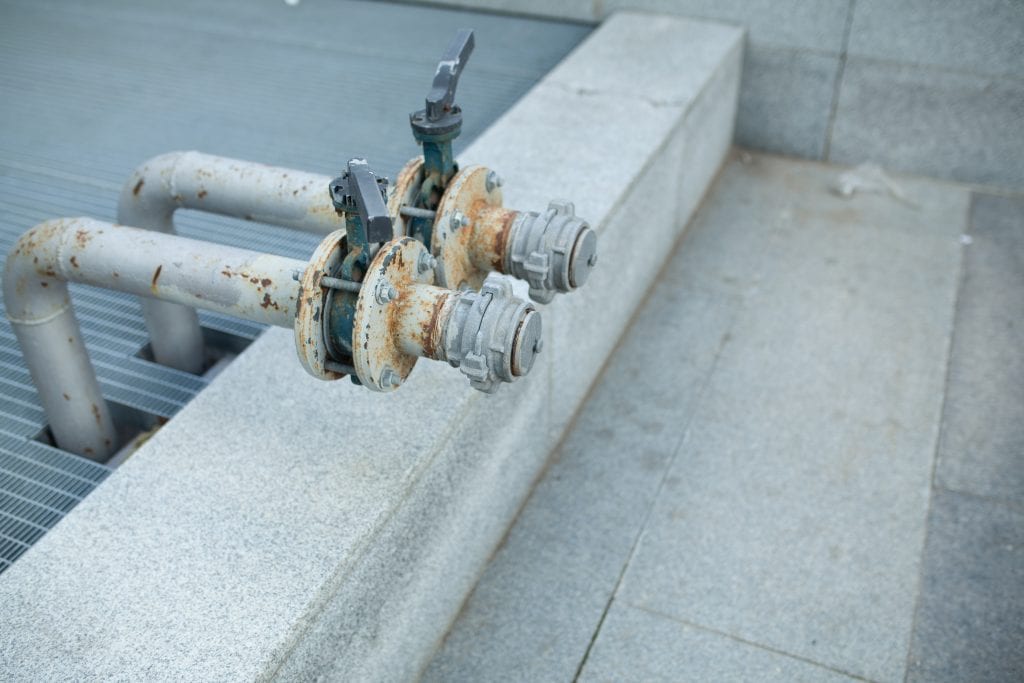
(280, 527)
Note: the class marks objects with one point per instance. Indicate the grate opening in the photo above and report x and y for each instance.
(134, 427)
(220, 348)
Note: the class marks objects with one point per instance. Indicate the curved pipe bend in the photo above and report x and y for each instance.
(219, 185)
(187, 273)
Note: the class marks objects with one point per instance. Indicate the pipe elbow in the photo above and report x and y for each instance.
(150, 192)
(35, 287)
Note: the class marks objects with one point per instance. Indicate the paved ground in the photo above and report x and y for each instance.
(804, 462)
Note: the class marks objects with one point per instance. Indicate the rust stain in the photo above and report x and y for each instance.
(82, 237)
(66, 397)
(74, 261)
(156, 276)
(226, 273)
(96, 414)
(44, 284)
(266, 281)
(501, 241)
(489, 237)
(267, 303)
(201, 194)
(433, 330)
(138, 187)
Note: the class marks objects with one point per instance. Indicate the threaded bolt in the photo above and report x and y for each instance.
(493, 180)
(385, 292)
(458, 220)
(425, 262)
(389, 378)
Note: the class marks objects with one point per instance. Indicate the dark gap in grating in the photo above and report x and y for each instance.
(134, 427)
(220, 348)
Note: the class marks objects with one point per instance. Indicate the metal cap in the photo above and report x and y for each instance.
(583, 258)
(527, 343)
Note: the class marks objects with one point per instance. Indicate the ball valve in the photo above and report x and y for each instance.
(458, 213)
(369, 306)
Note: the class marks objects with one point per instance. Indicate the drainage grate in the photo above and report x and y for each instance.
(92, 89)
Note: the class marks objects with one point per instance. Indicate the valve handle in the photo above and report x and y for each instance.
(360, 190)
(441, 98)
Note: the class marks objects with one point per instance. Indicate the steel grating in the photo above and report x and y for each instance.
(90, 90)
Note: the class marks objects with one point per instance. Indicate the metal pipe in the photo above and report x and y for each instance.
(423, 312)
(219, 185)
(174, 269)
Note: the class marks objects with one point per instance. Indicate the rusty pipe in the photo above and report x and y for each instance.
(173, 269)
(229, 187)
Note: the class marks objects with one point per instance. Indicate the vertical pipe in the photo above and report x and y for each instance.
(186, 272)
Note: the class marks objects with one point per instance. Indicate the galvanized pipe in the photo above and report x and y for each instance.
(219, 185)
(174, 269)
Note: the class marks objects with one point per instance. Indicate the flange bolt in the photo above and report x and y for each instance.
(385, 292)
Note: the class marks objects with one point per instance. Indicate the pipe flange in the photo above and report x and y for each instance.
(405, 192)
(379, 361)
(310, 343)
(471, 190)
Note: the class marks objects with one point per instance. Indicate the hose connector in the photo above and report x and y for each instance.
(492, 335)
(554, 251)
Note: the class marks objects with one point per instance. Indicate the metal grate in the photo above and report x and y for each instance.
(89, 90)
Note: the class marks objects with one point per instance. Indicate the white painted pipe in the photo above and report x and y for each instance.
(173, 269)
(229, 187)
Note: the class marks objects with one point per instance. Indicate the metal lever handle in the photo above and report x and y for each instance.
(358, 188)
(441, 97)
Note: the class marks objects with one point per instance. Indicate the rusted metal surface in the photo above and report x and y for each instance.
(310, 342)
(491, 227)
(454, 241)
(40, 313)
(237, 282)
(404, 192)
(409, 192)
(391, 334)
(230, 187)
